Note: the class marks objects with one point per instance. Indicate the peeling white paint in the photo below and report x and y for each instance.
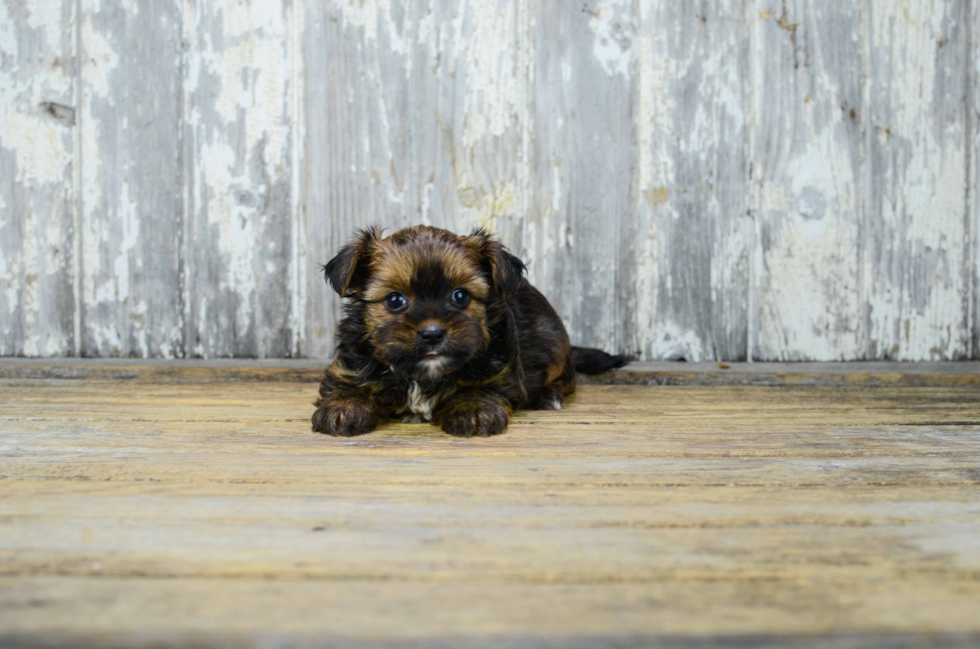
(917, 307)
(99, 58)
(673, 343)
(38, 141)
(35, 180)
(300, 269)
(239, 111)
(45, 16)
(612, 23)
(363, 14)
(806, 291)
(8, 41)
(851, 226)
(691, 277)
(493, 90)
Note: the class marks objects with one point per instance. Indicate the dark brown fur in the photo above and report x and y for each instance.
(505, 349)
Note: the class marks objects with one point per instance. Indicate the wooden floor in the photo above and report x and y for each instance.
(188, 511)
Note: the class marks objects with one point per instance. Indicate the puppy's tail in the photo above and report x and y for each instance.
(595, 361)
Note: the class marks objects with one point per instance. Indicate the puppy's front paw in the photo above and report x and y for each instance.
(477, 420)
(344, 419)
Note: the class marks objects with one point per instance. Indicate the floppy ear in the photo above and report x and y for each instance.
(347, 272)
(506, 271)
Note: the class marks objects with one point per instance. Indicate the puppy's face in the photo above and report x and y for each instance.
(425, 293)
(426, 307)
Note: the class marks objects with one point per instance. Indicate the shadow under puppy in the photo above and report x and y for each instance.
(443, 328)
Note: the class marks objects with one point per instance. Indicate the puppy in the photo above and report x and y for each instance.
(443, 328)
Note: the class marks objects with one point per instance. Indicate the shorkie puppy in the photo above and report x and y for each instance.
(443, 328)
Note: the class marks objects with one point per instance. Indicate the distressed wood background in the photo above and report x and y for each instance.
(776, 180)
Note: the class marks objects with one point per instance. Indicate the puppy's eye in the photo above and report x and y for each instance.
(395, 302)
(461, 297)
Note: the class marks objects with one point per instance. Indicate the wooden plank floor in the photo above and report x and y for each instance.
(201, 512)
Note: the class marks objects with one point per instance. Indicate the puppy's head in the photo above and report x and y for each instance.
(427, 296)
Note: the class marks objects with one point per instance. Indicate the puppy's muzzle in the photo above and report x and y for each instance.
(432, 336)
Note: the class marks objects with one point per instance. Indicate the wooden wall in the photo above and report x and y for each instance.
(780, 180)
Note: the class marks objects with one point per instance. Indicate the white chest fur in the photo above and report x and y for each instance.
(419, 405)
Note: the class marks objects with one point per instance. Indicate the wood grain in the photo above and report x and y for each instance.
(695, 205)
(717, 181)
(131, 170)
(152, 513)
(580, 233)
(807, 172)
(916, 153)
(973, 180)
(37, 193)
(239, 260)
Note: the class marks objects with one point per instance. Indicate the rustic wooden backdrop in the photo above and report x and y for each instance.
(780, 180)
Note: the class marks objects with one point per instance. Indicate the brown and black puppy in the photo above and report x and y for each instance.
(443, 328)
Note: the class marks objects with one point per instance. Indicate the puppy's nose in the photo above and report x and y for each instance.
(432, 334)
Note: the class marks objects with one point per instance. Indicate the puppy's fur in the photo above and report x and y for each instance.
(443, 328)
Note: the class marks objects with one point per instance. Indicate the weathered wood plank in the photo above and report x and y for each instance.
(37, 197)
(973, 149)
(153, 512)
(414, 116)
(131, 184)
(580, 235)
(608, 144)
(695, 228)
(808, 176)
(229, 612)
(240, 135)
(917, 239)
